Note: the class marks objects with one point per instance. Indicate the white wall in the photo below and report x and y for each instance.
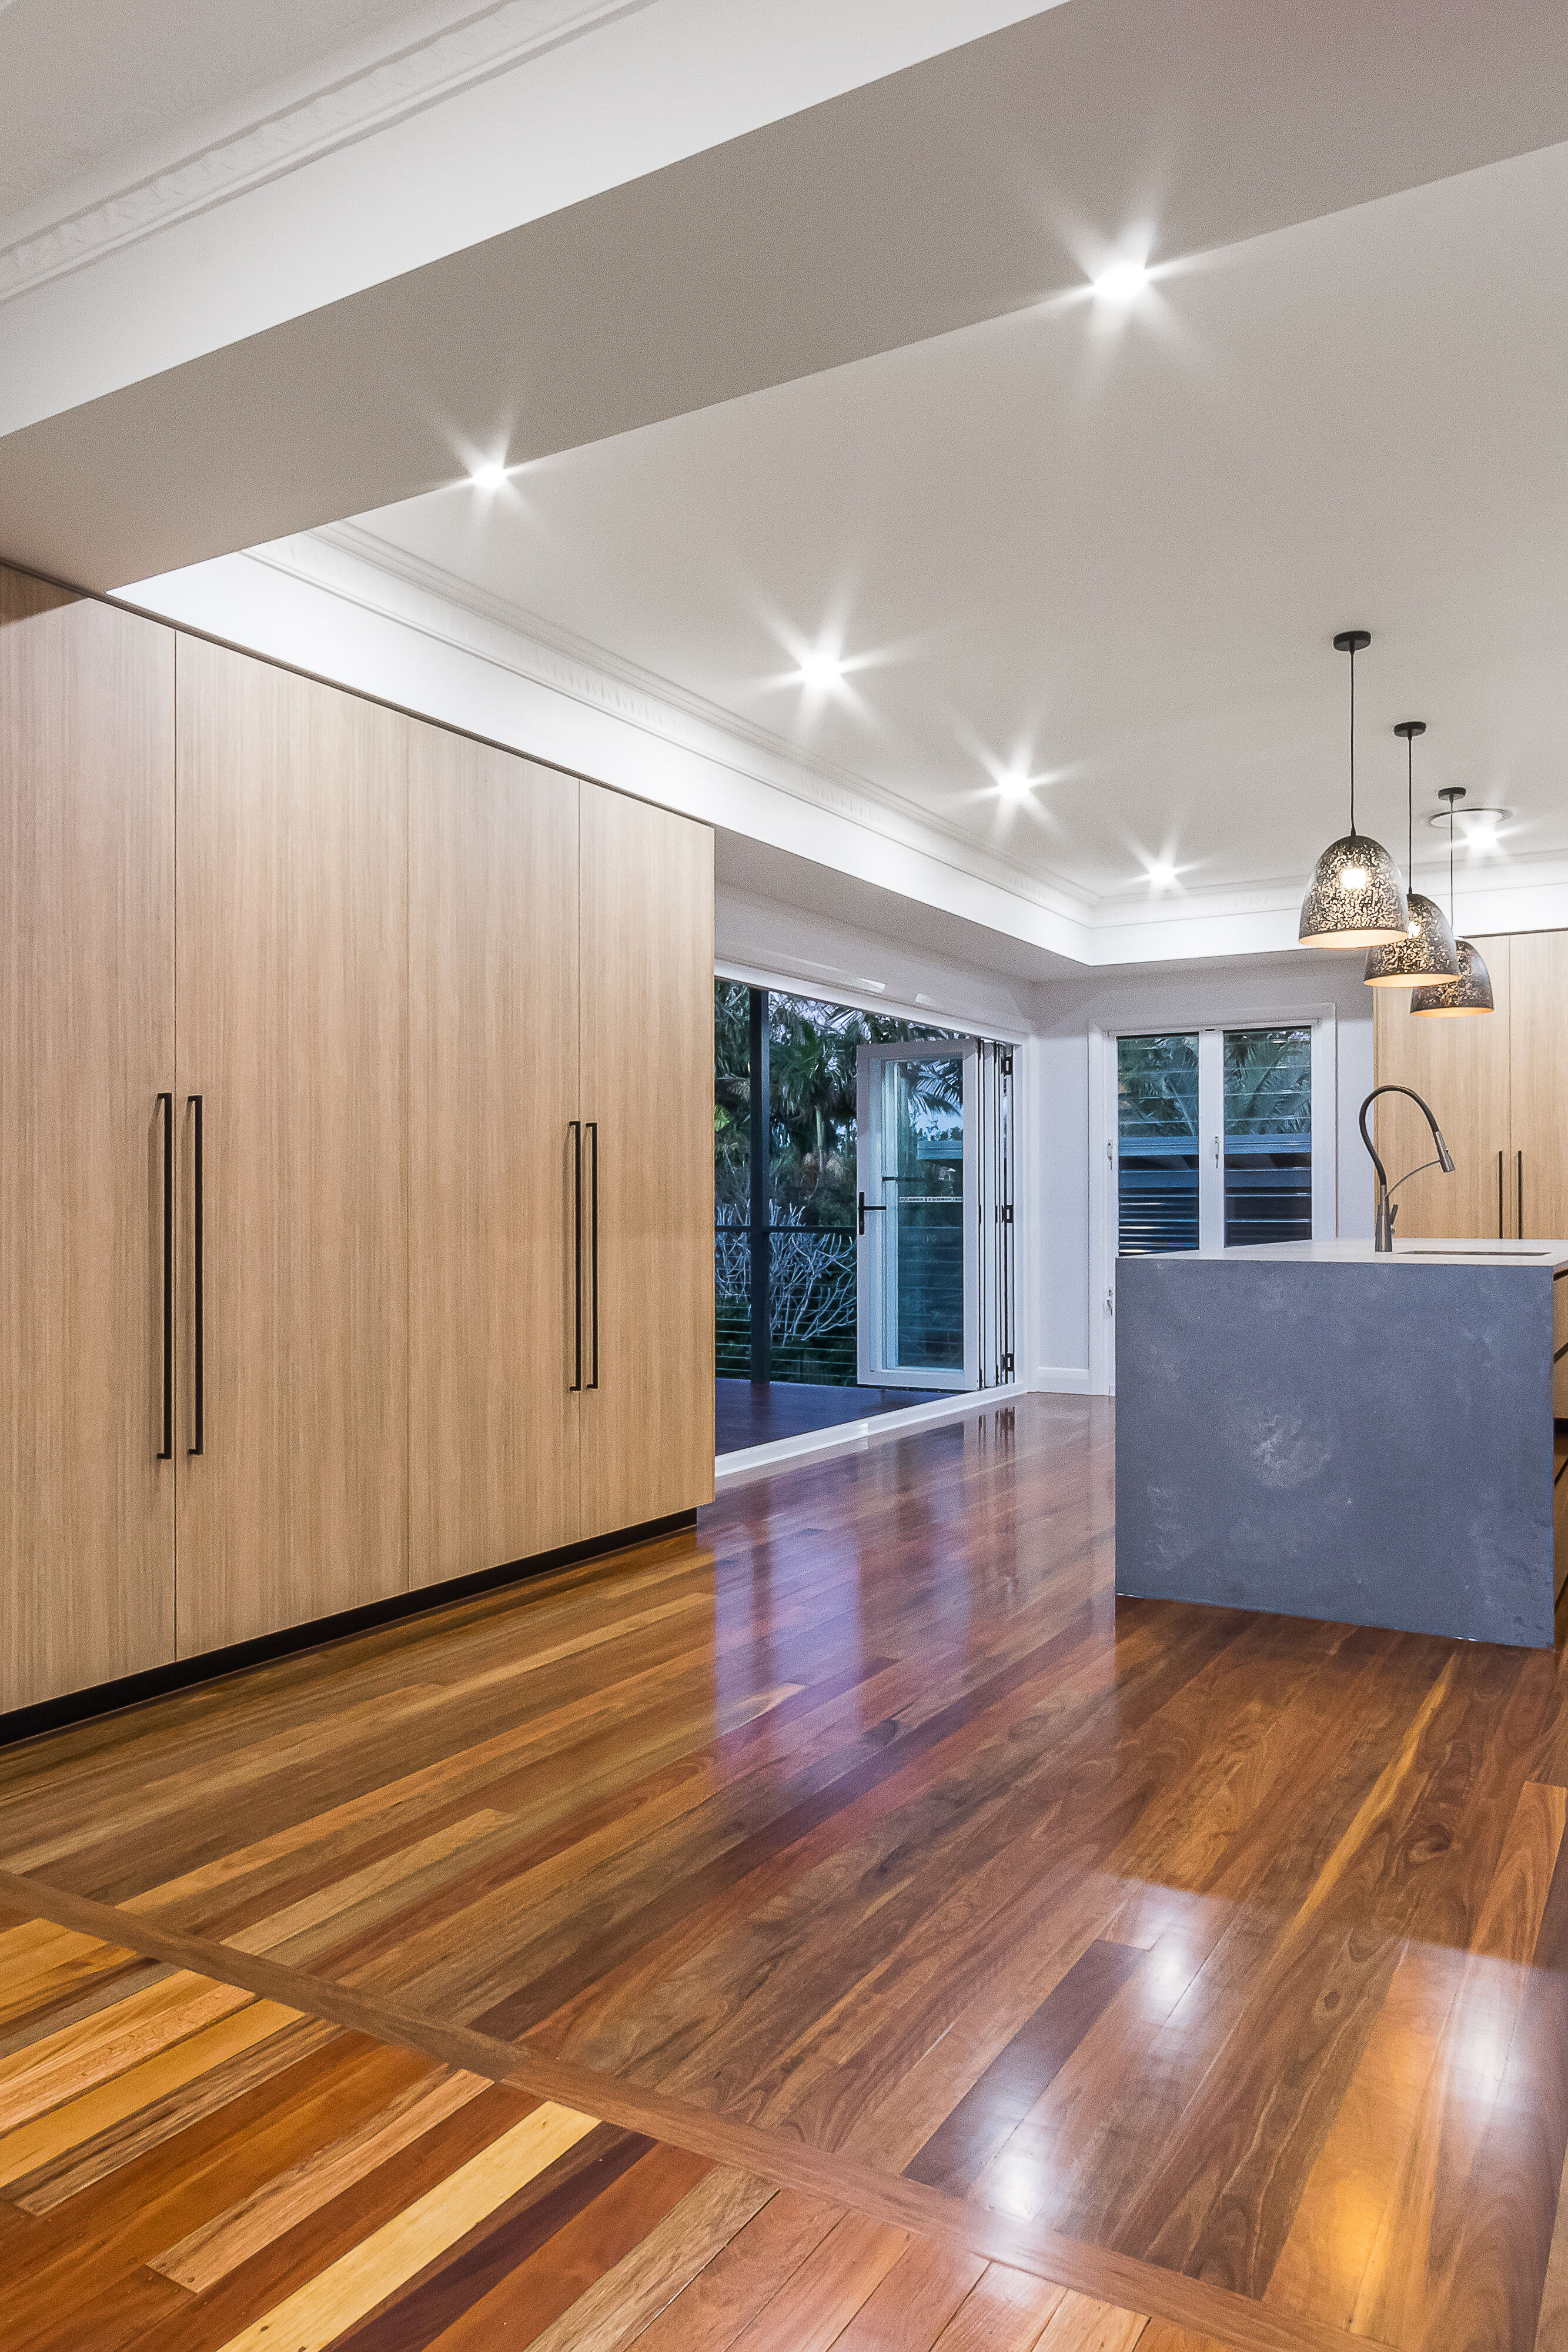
(1066, 1150)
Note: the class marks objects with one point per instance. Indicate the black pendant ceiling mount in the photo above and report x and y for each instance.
(1355, 898)
(1427, 955)
(1470, 991)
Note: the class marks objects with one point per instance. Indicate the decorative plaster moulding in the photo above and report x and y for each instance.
(365, 573)
(450, 607)
(452, 58)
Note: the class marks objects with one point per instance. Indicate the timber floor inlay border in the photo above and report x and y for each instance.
(966, 2229)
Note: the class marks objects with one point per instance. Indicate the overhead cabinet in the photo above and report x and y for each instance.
(357, 1227)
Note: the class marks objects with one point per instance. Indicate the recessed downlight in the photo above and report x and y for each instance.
(1123, 282)
(822, 669)
(488, 476)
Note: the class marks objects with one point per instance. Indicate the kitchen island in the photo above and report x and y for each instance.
(1318, 1430)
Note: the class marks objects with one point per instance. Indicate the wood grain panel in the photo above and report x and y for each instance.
(647, 1085)
(1538, 1045)
(493, 981)
(293, 990)
(87, 1045)
(1462, 1069)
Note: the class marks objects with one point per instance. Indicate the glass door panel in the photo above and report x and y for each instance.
(1267, 1136)
(1158, 1144)
(916, 1214)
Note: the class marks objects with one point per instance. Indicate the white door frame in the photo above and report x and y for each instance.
(1105, 1136)
(873, 1253)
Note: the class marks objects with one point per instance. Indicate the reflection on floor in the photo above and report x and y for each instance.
(1212, 1966)
(756, 1414)
(185, 2164)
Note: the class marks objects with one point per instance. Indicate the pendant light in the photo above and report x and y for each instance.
(1426, 954)
(1356, 898)
(1471, 990)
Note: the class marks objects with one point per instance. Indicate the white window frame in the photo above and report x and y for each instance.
(1105, 1135)
(873, 1066)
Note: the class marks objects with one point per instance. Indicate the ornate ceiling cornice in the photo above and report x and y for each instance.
(490, 41)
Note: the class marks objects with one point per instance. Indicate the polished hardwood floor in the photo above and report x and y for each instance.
(1207, 1966)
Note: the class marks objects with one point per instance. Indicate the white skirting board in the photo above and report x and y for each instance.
(1062, 1379)
(854, 1436)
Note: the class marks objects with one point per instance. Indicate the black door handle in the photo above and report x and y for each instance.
(594, 1246)
(871, 1209)
(1519, 1236)
(574, 1129)
(1499, 1233)
(166, 1450)
(193, 1102)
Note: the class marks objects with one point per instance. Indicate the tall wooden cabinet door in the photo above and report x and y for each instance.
(1461, 1068)
(292, 841)
(1538, 1043)
(87, 1046)
(647, 1406)
(493, 1036)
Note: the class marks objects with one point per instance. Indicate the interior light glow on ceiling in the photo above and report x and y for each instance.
(1014, 786)
(488, 476)
(1123, 281)
(822, 669)
(1162, 875)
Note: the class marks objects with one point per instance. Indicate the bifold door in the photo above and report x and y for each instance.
(919, 1136)
(87, 1060)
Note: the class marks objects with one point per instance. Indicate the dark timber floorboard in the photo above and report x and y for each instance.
(926, 1948)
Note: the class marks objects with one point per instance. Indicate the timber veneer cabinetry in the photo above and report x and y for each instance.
(363, 1007)
(1498, 1085)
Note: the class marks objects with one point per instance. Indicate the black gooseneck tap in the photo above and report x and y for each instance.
(1386, 1211)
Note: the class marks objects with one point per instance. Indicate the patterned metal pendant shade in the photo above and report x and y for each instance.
(1425, 955)
(1356, 898)
(1470, 993)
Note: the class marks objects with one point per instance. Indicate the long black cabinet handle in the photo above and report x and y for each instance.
(166, 1105)
(1520, 1233)
(198, 1303)
(594, 1246)
(1500, 1231)
(574, 1129)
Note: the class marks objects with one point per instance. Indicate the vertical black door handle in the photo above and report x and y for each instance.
(1499, 1232)
(574, 1129)
(198, 1300)
(166, 1105)
(593, 1247)
(1519, 1236)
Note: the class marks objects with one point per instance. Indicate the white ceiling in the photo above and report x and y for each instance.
(1112, 548)
(97, 96)
(96, 91)
(781, 310)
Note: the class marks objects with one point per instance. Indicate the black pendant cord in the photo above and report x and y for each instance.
(1410, 812)
(1453, 920)
(1353, 742)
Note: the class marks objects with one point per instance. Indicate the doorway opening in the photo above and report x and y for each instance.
(863, 1179)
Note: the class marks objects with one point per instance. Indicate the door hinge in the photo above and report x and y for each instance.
(1007, 1368)
(1005, 1064)
(1004, 1212)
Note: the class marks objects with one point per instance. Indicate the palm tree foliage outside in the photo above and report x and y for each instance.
(811, 1171)
(1268, 1099)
